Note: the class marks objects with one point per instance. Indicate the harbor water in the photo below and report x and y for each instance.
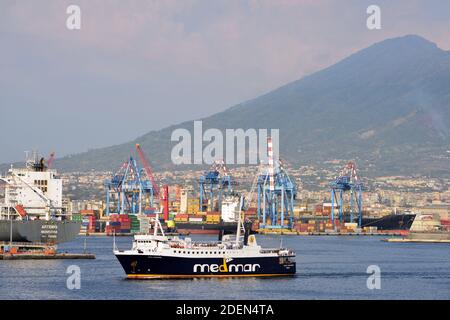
(327, 268)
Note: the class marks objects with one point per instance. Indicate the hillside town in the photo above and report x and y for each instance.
(382, 195)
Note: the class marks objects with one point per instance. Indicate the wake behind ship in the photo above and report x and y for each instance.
(31, 206)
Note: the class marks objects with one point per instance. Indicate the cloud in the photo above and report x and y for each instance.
(278, 40)
(174, 60)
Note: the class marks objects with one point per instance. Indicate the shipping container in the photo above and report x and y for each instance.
(351, 225)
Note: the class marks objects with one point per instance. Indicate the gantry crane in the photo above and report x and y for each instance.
(164, 196)
(128, 190)
(347, 182)
(214, 184)
(276, 194)
(148, 169)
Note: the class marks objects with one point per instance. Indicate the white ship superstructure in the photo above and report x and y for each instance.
(230, 209)
(31, 205)
(36, 189)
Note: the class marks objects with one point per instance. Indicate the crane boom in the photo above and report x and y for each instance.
(148, 169)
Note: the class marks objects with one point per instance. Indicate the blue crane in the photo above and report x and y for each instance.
(214, 184)
(276, 196)
(347, 182)
(128, 190)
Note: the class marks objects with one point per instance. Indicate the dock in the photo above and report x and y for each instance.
(43, 256)
(36, 251)
(104, 234)
(336, 233)
(405, 240)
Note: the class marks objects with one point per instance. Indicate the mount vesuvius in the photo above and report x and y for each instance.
(386, 106)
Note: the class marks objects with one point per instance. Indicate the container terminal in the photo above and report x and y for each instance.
(133, 197)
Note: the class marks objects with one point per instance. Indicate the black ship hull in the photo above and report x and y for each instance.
(163, 267)
(389, 222)
(43, 231)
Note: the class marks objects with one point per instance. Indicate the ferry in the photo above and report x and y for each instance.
(157, 256)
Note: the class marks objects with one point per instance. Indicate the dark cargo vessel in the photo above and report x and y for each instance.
(388, 222)
(39, 231)
(31, 205)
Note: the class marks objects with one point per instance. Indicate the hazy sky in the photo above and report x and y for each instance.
(141, 65)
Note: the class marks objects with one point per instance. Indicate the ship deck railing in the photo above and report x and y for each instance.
(289, 253)
(269, 250)
(205, 244)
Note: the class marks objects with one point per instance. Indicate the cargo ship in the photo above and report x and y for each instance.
(401, 221)
(393, 222)
(158, 256)
(31, 205)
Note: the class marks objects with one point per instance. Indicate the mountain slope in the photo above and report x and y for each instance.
(387, 106)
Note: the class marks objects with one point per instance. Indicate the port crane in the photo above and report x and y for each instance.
(148, 170)
(128, 190)
(164, 196)
(276, 194)
(214, 184)
(133, 187)
(347, 182)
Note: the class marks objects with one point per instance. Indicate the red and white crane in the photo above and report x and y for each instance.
(164, 197)
(148, 170)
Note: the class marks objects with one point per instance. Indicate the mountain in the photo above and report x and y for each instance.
(386, 106)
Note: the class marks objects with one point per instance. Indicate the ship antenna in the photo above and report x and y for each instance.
(240, 225)
(158, 226)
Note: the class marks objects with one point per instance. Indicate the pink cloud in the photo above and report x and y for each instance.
(277, 41)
